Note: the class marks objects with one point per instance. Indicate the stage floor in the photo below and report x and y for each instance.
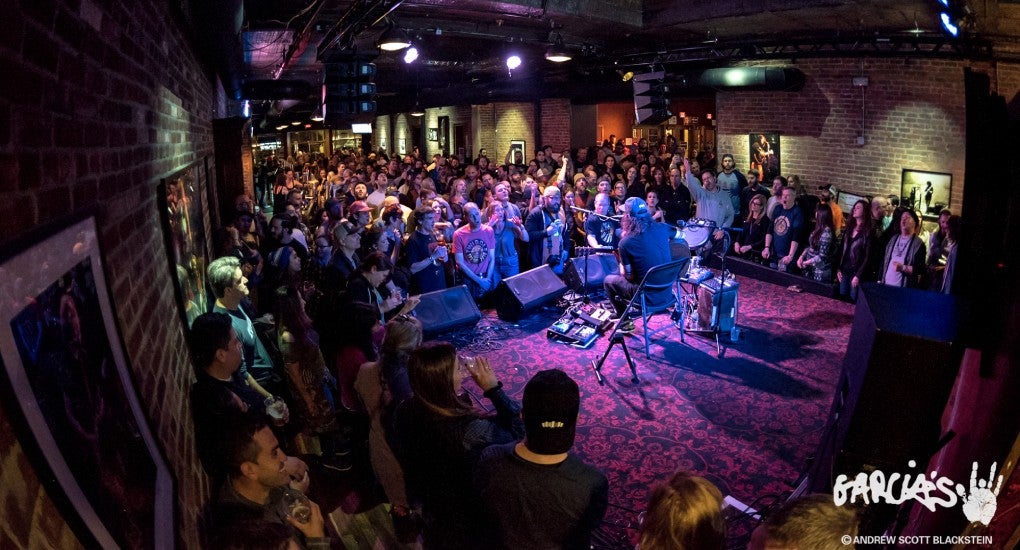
(748, 421)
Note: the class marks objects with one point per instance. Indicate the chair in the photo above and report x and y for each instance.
(656, 294)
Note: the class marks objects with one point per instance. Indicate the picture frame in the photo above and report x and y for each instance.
(433, 134)
(846, 201)
(70, 394)
(926, 192)
(402, 146)
(764, 153)
(518, 152)
(182, 216)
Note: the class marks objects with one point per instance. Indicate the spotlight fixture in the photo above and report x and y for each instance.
(513, 61)
(411, 55)
(956, 18)
(281, 127)
(393, 39)
(417, 111)
(627, 76)
(557, 53)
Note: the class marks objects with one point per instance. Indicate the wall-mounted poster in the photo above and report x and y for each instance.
(184, 232)
(926, 192)
(433, 134)
(402, 146)
(764, 155)
(70, 395)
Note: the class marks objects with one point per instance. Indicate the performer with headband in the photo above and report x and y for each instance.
(546, 235)
(645, 244)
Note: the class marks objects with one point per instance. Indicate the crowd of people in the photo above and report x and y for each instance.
(312, 343)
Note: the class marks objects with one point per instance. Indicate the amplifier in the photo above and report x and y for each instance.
(715, 310)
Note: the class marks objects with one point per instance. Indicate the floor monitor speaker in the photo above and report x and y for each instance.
(599, 266)
(443, 310)
(526, 291)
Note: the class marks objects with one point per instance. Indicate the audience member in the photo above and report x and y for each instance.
(539, 477)
(508, 231)
(546, 232)
(424, 254)
(751, 241)
(731, 181)
(816, 261)
(812, 522)
(474, 248)
(903, 264)
(787, 222)
(952, 244)
(442, 435)
(684, 513)
(601, 229)
(858, 240)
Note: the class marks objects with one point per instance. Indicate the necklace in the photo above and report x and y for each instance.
(901, 248)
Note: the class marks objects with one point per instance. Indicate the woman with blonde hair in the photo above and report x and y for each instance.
(684, 513)
(382, 385)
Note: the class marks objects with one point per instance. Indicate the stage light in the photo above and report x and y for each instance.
(627, 76)
(513, 61)
(411, 55)
(393, 39)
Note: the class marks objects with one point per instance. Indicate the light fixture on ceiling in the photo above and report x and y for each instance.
(956, 18)
(411, 55)
(281, 127)
(393, 39)
(917, 28)
(710, 38)
(296, 123)
(627, 76)
(557, 52)
(417, 111)
(513, 61)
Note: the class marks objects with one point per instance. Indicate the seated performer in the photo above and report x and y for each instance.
(645, 245)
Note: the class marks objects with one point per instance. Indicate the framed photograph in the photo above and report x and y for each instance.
(402, 146)
(846, 201)
(763, 150)
(926, 192)
(70, 395)
(184, 233)
(517, 152)
(433, 134)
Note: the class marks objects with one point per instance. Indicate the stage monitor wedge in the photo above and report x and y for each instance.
(447, 309)
(526, 291)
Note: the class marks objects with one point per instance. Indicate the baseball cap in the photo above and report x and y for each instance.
(358, 206)
(549, 406)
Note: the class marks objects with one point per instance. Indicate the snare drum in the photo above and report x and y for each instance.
(697, 232)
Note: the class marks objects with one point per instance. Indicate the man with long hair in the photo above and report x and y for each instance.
(645, 244)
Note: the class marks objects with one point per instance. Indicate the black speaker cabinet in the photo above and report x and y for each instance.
(899, 368)
(526, 291)
(599, 265)
(714, 309)
(443, 310)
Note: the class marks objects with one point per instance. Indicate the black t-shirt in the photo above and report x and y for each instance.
(604, 231)
(540, 506)
(643, 251)
(432, 277)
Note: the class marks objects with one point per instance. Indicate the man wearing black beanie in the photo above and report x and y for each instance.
(535, 493)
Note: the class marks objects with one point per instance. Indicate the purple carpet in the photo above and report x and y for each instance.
(748, 422)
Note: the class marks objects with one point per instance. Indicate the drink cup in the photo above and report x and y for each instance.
(296, 505)
(276, 408)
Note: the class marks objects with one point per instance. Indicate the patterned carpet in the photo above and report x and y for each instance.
(748, 422)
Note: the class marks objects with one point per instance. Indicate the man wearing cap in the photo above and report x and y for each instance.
(535, 492)
(644, 245)
(359, 214)
(827, 196)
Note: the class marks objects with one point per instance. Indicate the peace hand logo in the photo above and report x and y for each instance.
(980, 504)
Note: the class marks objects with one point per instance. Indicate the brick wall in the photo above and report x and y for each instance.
(99, 100)
(913, 117)
(555, 123)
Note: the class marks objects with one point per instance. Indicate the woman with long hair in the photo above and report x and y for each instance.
(652, 198)
(903, 264)
(307, 377)
(816, 261)
(684, 513)
(952, 246)
(442, 435)
(751, 241)
(358, 344)
(857, 242)
(382, 385)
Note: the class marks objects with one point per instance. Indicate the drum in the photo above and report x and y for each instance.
(697, 232)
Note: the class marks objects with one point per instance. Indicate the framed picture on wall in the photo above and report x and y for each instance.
(846, 201)
(433, 134)
(402, 146)
(69, 393)
(763, 150)
(184, 233)
(517, 154)
(926, 192)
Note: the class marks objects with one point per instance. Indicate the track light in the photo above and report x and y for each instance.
(557, 53)
(393, 39)
(513, 61)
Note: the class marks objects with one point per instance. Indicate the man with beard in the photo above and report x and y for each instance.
(546, 237)
(601, 230)
(731, 181)
(714, 204)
